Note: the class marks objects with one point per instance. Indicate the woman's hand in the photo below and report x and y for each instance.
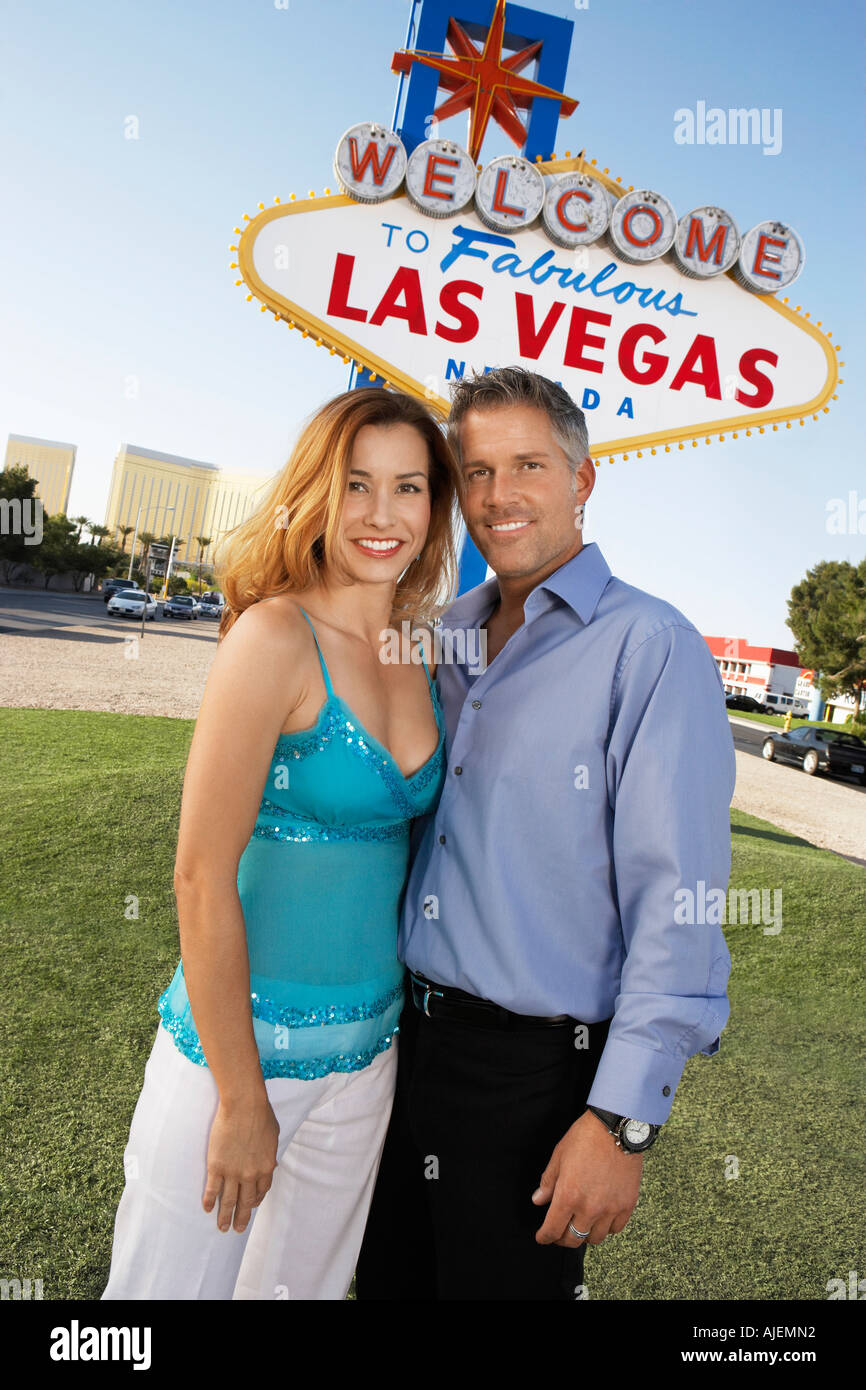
(241, 1158)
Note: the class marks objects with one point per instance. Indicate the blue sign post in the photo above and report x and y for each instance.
(471, 75)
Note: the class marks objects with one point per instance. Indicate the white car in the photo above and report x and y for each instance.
(131, 603)
(780, 704)
(211, 607)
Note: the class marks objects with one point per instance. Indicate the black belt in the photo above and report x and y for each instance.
(444, 1001)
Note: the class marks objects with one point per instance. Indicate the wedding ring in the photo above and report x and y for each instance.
(581, 1235)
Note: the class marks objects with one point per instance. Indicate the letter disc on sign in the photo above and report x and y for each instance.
(509, 194)
(370, 163)
(707, 243)
(771, 258)
(576, 210)
(643, 225)
(440, 178)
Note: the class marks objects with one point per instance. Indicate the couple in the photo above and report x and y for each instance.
(463, 1129)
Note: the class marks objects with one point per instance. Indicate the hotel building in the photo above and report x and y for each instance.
(169, 495)
(50, 463)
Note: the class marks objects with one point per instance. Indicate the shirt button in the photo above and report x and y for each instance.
(666, 1090)
(476, 704)
(457, 771)
(441, 839)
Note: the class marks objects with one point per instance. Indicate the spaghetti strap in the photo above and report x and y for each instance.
(426, 670)
(327, 678)
(424, 659)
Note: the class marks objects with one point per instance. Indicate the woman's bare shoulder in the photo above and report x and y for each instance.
(276, 622)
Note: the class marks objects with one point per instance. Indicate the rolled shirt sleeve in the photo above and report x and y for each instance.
(670, 771)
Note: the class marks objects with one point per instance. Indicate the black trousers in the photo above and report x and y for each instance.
(477, 1113)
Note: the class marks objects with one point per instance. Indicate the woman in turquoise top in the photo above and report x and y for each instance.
(258, 1132)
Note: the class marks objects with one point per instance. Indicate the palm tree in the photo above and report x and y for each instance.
(125, 531)
(203, 543)
(80, 522)
(100, 532)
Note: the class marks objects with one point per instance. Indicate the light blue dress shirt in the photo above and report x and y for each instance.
(590, 774)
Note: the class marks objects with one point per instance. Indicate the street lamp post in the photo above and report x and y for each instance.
(148, 569)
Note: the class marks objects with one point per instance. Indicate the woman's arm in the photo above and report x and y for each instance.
(251, 689)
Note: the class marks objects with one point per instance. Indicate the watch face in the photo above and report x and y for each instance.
(636, 1132)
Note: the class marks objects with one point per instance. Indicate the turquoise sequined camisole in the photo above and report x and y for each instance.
(321, 882)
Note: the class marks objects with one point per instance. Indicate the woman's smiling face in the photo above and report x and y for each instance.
(386, 509)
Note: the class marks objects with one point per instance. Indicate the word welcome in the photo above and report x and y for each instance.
(441, 180)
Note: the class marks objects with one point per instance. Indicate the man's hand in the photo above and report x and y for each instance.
(590, 1182)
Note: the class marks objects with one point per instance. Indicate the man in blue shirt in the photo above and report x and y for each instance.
(564, 963)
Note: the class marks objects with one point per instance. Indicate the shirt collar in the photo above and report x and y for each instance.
(579, 582)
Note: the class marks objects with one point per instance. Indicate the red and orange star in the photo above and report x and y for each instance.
(483, 82)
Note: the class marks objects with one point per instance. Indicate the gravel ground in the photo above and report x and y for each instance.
(83, 667)
(822, 810)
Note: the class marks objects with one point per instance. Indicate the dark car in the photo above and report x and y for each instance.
(747, 702)
(819, 750)
(181, 606)
(111, 587)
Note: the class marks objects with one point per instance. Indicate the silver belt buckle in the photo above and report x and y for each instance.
(428, 990)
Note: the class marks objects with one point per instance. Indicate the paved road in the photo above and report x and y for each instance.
(749, 738)
(83, 617)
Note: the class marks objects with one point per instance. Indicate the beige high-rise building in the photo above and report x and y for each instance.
(168, 495)
(50, 463)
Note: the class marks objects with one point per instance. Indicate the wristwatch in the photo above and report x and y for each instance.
(632, 1136)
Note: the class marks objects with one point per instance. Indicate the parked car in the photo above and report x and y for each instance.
(111, 587)
(130, 603)
(819, 750)
(746, 702)
(780, 704)
(181, 606)
(211, 605)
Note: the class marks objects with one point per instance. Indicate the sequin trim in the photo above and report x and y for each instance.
(301, 829)
(425, 775)
(272, 1012)
(332, 723)
(310, 1070)
(301, 745)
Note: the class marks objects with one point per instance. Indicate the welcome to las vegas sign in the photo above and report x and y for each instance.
(425, 267)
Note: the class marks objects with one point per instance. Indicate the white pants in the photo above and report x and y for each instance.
(302, 1240)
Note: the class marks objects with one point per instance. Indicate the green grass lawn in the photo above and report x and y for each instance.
(91, 806)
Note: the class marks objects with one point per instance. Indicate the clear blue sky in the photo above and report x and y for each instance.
(116, 251)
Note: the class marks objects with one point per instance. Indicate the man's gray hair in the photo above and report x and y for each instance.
(516, 386)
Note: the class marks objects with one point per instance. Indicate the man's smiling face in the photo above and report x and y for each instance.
(519, 493)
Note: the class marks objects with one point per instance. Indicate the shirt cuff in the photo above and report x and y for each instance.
(636, 1081)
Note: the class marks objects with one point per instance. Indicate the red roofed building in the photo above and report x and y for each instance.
(755, 671)
(773, 671)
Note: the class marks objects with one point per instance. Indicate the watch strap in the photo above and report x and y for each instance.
(615, 1125)
(607, 1117)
